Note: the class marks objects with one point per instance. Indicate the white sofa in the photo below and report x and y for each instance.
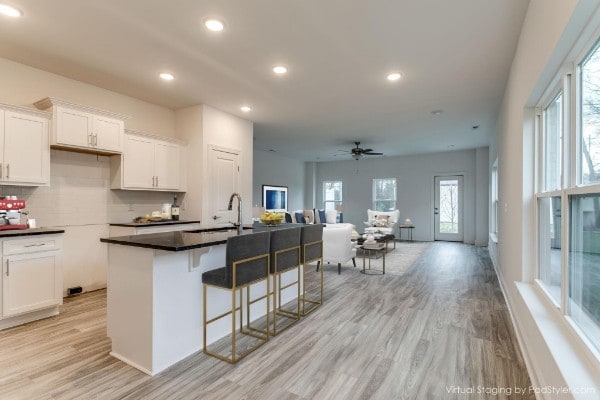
(337, 245)
(392, 222)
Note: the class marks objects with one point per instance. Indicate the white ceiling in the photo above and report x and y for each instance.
(454, 55)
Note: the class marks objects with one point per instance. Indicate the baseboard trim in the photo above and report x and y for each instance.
(527, 358)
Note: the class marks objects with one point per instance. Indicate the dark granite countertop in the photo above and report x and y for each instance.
(157, 223)
(182, 240)
(29, 232)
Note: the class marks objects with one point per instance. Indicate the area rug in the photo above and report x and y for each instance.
(398, 260)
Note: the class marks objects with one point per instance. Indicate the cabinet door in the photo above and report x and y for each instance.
(166, 165)
(2, 175)
(108, 134)
(138, 163)
(26, 150)
(73, 127)
(30, 282)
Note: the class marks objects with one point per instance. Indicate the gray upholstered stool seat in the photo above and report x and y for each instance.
(311, 242)
(247, 263)
(285, 256)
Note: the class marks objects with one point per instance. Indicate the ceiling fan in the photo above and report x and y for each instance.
(357, 152)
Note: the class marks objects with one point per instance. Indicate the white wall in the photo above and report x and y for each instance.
(23, 85)
(273, 169)
(414, 179)
(482, 183)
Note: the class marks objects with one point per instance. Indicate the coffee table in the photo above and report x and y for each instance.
(373, 248)
(379, 238)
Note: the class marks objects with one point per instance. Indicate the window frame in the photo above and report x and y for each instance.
(374, 200)
(568, 79)
(334, 202)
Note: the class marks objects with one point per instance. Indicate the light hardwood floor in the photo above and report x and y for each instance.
(443, 324)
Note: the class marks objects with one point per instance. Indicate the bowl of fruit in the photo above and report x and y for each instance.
(271, 218)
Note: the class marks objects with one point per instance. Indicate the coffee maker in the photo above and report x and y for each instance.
(11, 212)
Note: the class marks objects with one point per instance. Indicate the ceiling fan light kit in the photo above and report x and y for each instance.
(357, 152)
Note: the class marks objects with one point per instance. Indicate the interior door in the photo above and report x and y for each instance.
(448, 208)
(223, 180)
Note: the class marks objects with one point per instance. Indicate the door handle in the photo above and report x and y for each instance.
(7, 267)
(157, 181)
(215, 217)
(7, 171)
(90, 140)
(1, 170)
(96, 140)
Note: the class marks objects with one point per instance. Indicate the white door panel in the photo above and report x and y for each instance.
(223, 181)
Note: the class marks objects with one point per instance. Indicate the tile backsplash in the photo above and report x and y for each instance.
(80, 194)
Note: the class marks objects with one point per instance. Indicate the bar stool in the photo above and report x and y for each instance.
(285, 256)
(247, 263)
(311, 240)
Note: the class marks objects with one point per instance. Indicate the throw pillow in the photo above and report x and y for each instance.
(381, 221)
(322, 217)
(300, 218)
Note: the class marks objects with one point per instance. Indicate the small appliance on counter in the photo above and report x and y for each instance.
(11, 212)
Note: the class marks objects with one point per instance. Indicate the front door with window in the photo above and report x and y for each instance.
(448, 204)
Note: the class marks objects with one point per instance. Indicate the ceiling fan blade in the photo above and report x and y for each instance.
(367, 150)
(372, 154)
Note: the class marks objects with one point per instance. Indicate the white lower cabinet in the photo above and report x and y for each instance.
(31, 278)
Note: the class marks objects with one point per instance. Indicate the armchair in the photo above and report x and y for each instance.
(385, 225)
(337, 245)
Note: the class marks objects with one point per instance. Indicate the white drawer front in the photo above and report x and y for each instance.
(31, 245)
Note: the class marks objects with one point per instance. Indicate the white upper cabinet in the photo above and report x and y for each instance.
(167, 165)
(24, 151)
(82, 128)
(148, 163)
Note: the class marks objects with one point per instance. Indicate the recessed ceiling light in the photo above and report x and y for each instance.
(166, 76)
(437, 112)
(214, 25)
(280, 69)
(245, 109)
(394, 76)
(10, 11)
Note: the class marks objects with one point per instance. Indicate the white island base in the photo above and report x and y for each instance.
(154, 304)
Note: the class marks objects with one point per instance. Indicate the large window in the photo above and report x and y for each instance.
(549, 245)
(332, 194)
(589, 154)
(568, 195)
(553, 144)
(495, 198)
(384, 194)
(584, 264)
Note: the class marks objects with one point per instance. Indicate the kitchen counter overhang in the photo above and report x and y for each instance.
(188, 240)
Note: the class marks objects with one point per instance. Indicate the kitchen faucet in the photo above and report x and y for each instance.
(238, 225)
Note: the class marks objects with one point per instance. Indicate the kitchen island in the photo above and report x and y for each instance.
(154, 294)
